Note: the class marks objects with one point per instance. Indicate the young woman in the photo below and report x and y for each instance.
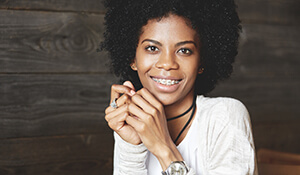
(169, 54)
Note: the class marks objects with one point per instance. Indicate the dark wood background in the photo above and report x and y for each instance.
(54, 86)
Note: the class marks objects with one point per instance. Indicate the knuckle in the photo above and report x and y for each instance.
(148, 118)
(112, 125)
(106, 111)
(125, 114)
(142, 127)
(160, 107)
(108, 117)
(109, 124)
(134, 97)
(127, 106)
(153, 111)
(113, 87)
(143, 90)
(126, 97)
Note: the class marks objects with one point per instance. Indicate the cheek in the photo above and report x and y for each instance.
(191, 68)
(193, 74)
(144, 62)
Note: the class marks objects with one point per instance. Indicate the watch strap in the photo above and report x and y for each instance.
(168, 170)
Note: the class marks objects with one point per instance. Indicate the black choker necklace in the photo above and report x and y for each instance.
(187, 123)
(188, 110)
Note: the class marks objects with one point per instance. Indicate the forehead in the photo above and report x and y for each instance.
(170, 27)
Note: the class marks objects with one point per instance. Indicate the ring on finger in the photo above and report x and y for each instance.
(114, 103)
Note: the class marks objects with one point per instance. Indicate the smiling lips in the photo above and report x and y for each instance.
(166, 82)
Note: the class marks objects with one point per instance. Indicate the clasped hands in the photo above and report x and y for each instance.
(138, 118)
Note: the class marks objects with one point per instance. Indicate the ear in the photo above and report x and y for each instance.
(133, 66)
(200, 71)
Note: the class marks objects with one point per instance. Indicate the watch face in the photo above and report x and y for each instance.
(178, 169)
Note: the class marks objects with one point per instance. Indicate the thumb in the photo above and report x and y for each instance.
(130, 85)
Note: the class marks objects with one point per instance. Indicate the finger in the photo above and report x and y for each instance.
(136, 124)
(115, 112)
(117, 90)
(130, 85)
(140, 114)
(117, 122)
(144, 105)
(156, 109)
(151, 99)
(120, 101)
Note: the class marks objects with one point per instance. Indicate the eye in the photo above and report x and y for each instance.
(152, 49)
(185, 51)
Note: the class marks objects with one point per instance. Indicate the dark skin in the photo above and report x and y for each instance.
(167, 62)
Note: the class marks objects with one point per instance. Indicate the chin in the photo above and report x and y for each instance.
(166, 99)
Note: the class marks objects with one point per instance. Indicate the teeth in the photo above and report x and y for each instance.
(165, 81)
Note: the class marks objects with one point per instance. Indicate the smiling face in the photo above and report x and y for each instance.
(168, 59)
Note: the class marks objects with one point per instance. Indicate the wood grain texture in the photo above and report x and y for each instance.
(43, 105)
(95, 6)
(277, 135)
(267, 99)
(255, 11)
(269, 51)
(60, 155)
(278, 169)
(269, 11)
(34, 41)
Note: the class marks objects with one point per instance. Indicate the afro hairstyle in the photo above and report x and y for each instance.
(216, 22)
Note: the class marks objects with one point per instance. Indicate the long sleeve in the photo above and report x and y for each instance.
(129, 159)
(229, 148)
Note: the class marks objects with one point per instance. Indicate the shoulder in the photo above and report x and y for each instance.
(223, 111)
(220, 103)
(224, 136)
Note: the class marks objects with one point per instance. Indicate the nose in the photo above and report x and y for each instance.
(167, 61)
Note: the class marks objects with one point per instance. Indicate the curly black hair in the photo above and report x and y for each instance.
(215, 21)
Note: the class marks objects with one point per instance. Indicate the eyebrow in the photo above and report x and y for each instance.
(153, 41)
(176, 45)
(185, 42)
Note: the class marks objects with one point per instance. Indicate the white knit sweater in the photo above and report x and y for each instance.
(219, 142)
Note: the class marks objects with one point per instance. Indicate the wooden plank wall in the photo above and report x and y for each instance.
(54, 86)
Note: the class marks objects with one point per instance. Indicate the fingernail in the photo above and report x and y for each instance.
(125, 83)
(132, 92)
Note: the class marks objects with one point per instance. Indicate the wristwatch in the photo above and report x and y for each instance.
(176, 168)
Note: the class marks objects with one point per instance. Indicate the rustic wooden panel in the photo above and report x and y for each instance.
(269, 51)
(255, 11)
(42, 105)
(267, 99)
(34, 41)
(269, 11)
(95, 6)
(278, 169)
(59, 155)
(277, 135)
